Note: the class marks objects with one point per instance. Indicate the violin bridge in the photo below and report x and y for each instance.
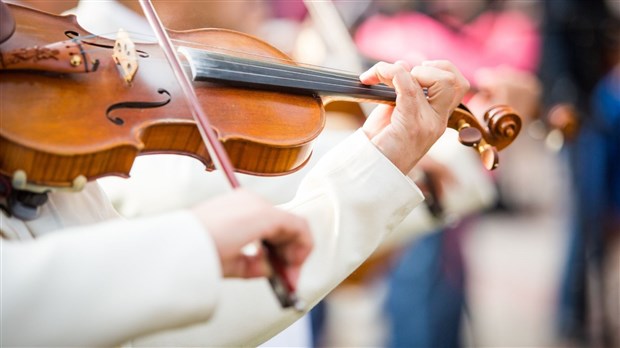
(125, 55)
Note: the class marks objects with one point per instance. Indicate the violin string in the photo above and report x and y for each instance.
(360, 89)
(286, 61)
(337, 72)
(295, 70)
(356, 86)
(349, 79)
(260, 70)
(308, 70)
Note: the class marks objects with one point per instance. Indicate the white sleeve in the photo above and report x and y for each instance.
(100, 285)
(352, 199)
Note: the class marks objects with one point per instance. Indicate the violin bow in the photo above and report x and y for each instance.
(281, 284)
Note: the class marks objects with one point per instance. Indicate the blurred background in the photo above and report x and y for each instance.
(526, 255)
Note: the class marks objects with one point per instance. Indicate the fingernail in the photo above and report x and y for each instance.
(364, 75)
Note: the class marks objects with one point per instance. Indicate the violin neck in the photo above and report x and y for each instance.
(222, 68)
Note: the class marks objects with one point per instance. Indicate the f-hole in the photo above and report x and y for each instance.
(136, 105)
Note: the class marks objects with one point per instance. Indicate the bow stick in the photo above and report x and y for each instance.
(280, 283)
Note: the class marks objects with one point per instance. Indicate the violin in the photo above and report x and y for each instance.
(76, 106)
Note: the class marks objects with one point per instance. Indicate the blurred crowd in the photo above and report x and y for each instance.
(528, 254)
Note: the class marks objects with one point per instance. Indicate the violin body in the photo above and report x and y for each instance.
(56, 127)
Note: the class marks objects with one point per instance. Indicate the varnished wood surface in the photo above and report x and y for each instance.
(59, 120)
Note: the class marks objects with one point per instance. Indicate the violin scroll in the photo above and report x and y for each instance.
(502, 127)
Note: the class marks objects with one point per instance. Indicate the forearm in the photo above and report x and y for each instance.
(361, 199)
(352, 199)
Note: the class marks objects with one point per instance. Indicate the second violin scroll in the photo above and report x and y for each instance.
(502, 127)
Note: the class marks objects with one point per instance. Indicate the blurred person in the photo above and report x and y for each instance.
(498, 49)
(475, 34)
(606, 110)
(580, 75)
(80, 223)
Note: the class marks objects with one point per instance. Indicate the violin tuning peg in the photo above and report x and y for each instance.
(470, 136)
(490, 157)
